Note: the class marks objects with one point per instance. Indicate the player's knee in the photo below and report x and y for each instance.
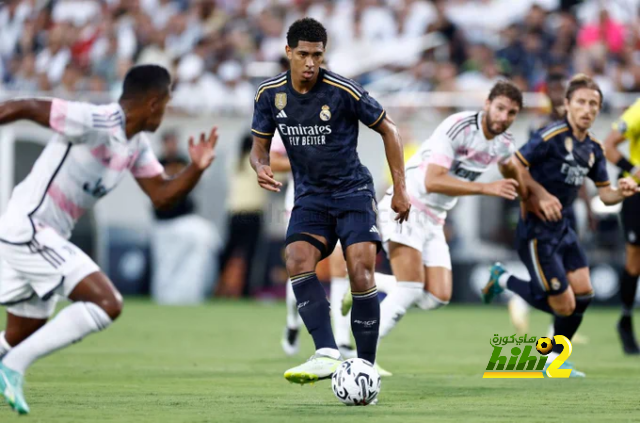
(443, 297)
(361, 279)
(429, 301)
(564, 309)
(111, 304)
(633, 266)
(299, 261)
(440, 294)
(583, 301)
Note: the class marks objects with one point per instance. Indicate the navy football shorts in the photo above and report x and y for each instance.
(548, 259)
(349, 219)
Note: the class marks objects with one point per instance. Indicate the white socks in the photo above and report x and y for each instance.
(385, 283)
(394, 307)
(503, 279)
(430, 302)
(69, 326)
(294, 321)
(341, 324)
(4, 345)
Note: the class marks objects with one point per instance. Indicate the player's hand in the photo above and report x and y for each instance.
(505, 188)
(547, 208)
(401, 204)
(265, 179)
(593, 221)
(628, 187)
(203, 153)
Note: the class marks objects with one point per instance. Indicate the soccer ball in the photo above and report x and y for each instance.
(356, 382)
(544, 345)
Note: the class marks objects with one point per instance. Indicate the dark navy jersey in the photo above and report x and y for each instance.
(559, 162)
(319, 130)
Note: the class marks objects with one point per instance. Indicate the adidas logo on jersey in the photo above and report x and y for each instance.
(374, 229)
(281, 115)
(569, 157)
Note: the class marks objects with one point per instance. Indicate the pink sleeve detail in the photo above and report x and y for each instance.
(58, 115)
(441, 160)
(505, 159)
(149, 170)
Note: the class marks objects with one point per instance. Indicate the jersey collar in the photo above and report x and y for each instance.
(587, 137)
(313, 90)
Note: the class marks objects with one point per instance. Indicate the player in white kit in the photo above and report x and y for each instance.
(93, 149)
(444, 168)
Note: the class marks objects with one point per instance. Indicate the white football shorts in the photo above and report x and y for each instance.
(424, 231)
(33, 274)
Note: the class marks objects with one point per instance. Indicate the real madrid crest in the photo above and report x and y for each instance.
(592, 159)
(325, 113)
(281, 100)
(555, 284)
(568, 144)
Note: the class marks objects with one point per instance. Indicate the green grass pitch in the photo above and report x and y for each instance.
(222, 363)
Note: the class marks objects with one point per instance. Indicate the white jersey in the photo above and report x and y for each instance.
(277, 145)
(84, 161)
(458, 144)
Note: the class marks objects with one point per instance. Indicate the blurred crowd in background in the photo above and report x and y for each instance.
(220, 50)
(225, 47)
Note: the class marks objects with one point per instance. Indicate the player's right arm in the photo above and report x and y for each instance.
(261, 163)
(438, 180)
(628, 125)
(35, 110)
(539, 202)
(68, 118)
(278, 158)
(263, 128)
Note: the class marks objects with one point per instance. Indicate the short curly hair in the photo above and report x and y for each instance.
(507, 89)
(306, 29)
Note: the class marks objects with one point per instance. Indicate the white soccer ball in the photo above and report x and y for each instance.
(356, 382)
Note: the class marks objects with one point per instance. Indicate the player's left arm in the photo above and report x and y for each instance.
(371, 113)
(539, 200)
(609, 195)
(394, 151)
(164, 190)
(626, 188)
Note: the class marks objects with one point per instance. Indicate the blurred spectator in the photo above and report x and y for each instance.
(12, 18)
(369, 40)
(184, 246)
(606, 35)
(237, 96)
(453, 34)
(53, 60)
(246, 209)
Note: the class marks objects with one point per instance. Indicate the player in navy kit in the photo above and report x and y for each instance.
(317, 114)
(559, 156)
